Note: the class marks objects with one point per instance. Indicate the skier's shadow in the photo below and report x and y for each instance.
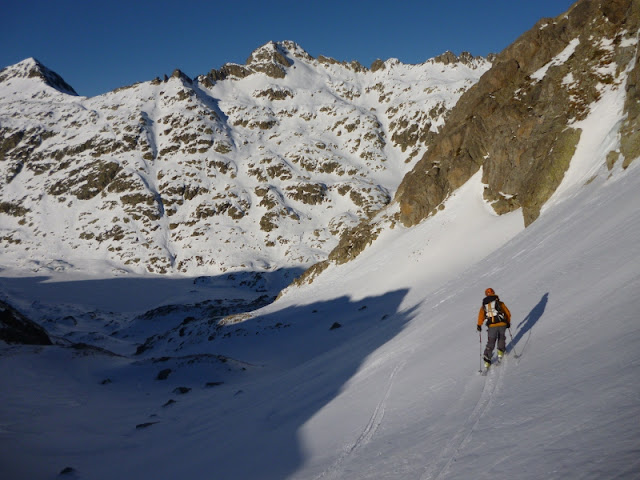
(529, 321)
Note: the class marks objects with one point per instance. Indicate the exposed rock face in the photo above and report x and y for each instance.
(215, 173)
(16, 328)
(517, 122)
(448, 57)
(272, 59)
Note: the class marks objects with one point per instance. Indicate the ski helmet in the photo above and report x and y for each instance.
(489, 291)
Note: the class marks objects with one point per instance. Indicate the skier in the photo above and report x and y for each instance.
(498, 319)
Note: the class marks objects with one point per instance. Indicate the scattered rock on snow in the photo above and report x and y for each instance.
(145, 425)
(67, 471)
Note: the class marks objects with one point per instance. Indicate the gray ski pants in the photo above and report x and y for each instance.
(498, 334)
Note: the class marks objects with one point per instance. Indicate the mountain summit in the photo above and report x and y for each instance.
(33, 69)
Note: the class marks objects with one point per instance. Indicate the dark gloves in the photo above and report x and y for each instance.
(508, 324)
(479, 328)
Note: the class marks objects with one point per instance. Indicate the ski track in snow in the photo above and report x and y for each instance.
(334, 471)
(491, 389)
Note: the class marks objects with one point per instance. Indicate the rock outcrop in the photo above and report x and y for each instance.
(15, 328)
(518, 122)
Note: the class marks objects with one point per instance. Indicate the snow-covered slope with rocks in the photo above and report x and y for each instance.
(370, 366)
(369, 372)
(257, 166)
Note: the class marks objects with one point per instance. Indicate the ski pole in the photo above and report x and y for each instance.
(513, 346)
(480, 335)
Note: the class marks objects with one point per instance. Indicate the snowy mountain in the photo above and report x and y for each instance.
(522, 123)
(257, 166)
(368, 368)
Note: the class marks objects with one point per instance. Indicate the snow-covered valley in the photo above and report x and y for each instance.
(236, 362)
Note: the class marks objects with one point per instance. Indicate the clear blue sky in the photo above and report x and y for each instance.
(99, 46)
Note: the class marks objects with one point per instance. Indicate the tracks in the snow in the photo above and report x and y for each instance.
(492, 386)
(334, 471)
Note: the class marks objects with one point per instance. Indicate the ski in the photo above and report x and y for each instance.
(494, 363)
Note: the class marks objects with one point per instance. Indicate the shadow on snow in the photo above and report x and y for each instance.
(250, 428)
(137, 294)
(319, 362)
(529, 321)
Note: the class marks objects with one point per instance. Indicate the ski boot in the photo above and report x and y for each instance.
(500, 354)
(487, 361)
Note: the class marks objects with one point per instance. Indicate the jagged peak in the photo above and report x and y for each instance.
(384, 64)
(447, 58)
(228, 70)
(296, 50)
(179, 74)
(32, 68)
(270, 59)
(465, 58)
(352, 65)
(280, 52)
(270, 52)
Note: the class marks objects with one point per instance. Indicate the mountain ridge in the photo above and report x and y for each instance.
(181, 175)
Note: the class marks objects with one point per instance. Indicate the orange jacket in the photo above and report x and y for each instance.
(503, 307)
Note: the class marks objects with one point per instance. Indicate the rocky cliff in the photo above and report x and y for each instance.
(520, 122)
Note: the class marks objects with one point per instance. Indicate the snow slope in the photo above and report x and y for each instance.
(394, 397)
(394, 392)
